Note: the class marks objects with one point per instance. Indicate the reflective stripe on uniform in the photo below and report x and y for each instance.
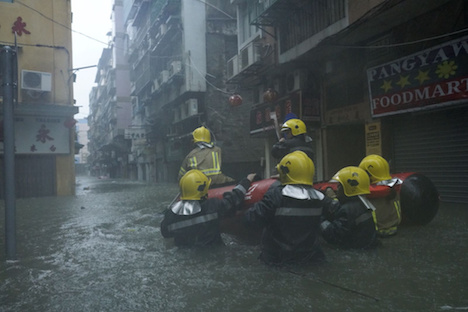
(374, 216)
(364, 217)
(298, 212)
(197, 220)
(396, 203)
(193, 162)
(216, 169)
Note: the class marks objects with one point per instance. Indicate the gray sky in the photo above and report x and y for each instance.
(92, 18)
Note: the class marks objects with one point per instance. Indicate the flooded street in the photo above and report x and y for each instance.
(102, 250)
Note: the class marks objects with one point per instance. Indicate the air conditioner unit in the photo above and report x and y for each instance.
(176, 67)
(249, 55)
(37, 81)
(296, 80)
(192, 107)
(233, 66)
(164, 76)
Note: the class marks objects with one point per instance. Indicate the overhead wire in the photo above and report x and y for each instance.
(228, 15)
(347, 46)
(394, 45)
(58, 23)
(204, 77)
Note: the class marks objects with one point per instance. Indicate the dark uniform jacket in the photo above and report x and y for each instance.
(196, 223)
(297, 143)
(351, 225)
(206, 158)
(290, 216)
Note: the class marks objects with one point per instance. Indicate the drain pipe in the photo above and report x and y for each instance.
(8, 55)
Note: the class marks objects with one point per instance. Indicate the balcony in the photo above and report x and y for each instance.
(246, 63)
(277, 11)
(164, 33)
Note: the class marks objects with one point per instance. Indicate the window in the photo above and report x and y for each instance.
(311, 18)
(248, 11)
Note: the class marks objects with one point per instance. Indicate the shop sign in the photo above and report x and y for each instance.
(41, 135)
(430, 78)
(260, 120)
(352, 113)
(373, 139)
(135, 134)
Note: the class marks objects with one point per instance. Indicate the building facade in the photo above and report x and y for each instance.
(177, 51)
(384, 77)
(110, 107)
(82, 129)
(367, 77)
(43, 97)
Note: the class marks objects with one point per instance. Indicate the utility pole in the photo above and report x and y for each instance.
(6, 62)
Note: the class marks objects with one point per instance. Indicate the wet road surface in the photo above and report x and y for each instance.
(101, 250)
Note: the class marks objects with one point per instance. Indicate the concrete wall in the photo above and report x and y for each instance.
(46, 48)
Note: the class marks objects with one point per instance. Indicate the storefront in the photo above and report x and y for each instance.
(422, 99)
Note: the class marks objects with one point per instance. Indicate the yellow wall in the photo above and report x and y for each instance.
(46, 49)
(54, 54)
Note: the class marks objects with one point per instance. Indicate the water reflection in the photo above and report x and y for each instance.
(101, 250)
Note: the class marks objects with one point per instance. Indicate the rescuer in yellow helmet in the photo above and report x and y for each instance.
(194, 220)
(350, 225)
(290, 213)
(387, 214)
(205, 157)
(295, 138)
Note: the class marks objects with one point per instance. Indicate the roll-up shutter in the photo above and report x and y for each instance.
(436, 145)
(34, 176)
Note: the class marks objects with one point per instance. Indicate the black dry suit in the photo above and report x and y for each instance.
(301, 142)
(290, 215)
(351, 225)
(196, 222)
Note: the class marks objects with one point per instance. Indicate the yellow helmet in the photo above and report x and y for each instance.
(377, 168)
(296, 168)
(194, 185)
(354, 180)
(296, 126)
(201, 134)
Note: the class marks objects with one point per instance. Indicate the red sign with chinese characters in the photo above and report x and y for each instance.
(19, 27)
(260, 120)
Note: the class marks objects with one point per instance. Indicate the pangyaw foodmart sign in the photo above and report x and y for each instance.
(430, 78)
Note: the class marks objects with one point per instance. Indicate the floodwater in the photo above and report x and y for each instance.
(102, 250)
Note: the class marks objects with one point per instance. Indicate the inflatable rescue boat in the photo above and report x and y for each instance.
(419, 199)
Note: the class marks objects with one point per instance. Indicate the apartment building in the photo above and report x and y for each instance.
(178, 52)
(385, 77)
(40, 36)
(381, 76)
(111, 107)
